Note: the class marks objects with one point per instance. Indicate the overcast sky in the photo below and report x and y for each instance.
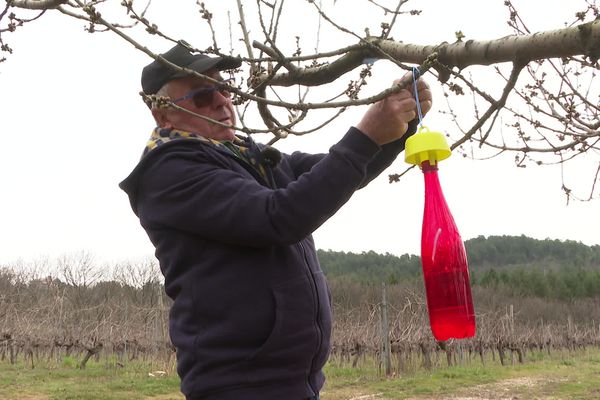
(73, 126)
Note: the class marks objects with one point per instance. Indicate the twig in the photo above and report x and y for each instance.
(496, 105)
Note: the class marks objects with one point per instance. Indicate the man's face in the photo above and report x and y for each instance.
(218, 107)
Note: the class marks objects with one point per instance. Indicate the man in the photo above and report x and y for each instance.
(232, 222)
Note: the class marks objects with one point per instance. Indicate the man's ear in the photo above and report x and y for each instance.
(161, 118)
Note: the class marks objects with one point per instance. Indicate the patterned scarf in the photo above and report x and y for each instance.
(239, 147)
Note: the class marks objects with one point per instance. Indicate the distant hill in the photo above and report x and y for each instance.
(369, 266)
(503, 251)
(526, 266)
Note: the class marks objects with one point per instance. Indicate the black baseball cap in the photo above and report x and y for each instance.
(156, 74)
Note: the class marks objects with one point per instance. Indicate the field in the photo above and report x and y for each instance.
(564, 375)
(527, 346)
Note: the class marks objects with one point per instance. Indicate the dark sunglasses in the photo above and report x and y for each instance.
(204, 96)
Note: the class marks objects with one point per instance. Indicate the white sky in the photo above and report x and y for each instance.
(73, 126)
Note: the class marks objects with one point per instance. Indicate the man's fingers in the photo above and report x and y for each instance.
(403, 79)
(406, 116)
(422, 84)
(425, 106)
(425, 94)
(405, 105)
(401, 95)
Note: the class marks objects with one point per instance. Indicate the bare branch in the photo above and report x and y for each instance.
(497, 105)
(245, 30)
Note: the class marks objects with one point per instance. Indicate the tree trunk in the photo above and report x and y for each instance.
(427, 364)
(90, 352)
(501, 354)
(520, 355)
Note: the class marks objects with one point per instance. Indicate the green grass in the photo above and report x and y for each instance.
(98, 381)
(562, 376)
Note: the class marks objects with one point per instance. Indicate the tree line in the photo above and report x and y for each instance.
(518, 265)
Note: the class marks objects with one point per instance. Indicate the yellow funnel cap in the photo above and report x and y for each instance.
(426, 146)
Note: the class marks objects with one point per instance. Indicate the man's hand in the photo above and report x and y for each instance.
(387, 120)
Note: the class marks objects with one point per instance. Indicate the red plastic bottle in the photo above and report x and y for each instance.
(445, 268)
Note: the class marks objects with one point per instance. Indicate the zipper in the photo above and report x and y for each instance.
(319, 330)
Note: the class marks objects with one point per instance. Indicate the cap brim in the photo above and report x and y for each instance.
(205, 65)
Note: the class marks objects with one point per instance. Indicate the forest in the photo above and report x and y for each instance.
(553, 269)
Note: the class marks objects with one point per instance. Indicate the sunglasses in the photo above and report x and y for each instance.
(204, 96)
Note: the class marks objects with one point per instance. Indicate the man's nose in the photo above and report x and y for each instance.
(220, 99)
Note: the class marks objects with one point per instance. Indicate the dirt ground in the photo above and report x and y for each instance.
(509, 389)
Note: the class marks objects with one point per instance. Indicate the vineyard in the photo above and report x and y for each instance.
(505, 334)
(77, 312)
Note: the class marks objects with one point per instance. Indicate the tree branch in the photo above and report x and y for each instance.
(36, 4)
(494, 108)
(582, 39)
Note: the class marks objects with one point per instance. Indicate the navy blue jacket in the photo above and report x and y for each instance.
(251, 317)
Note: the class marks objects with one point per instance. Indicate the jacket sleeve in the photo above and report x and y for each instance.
(388, 154)
(303, 162)
(195, 192)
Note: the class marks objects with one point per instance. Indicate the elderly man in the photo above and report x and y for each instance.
(232, 225)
